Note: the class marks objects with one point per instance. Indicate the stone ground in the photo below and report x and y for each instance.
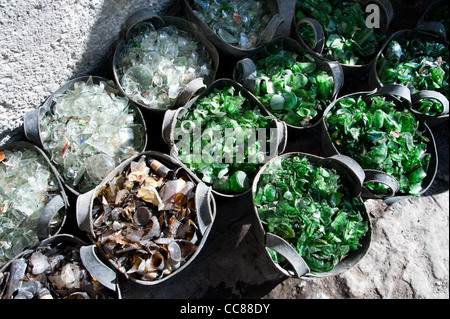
(45, 43)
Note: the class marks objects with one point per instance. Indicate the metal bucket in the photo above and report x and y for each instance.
(393, 93)
(32, 119)
(249, 74)
(226, 48)
(430, 31)
(427, 19)
(172, 116)
(352, 177)
(63, 241)
(192, 88)
(55, 205)
(386, 16)
(205, 212)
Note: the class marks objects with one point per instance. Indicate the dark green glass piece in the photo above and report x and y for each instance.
(239, 182)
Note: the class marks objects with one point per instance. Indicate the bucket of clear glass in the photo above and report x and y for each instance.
(162, 62)
(87, 128)
(236, 28)
(33, 202)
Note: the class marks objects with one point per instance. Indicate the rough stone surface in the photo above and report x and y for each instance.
(44, 43)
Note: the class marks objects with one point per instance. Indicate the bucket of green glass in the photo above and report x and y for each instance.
(53, 269)
(162, 62)
(33, 204)
(87, 128)
(224, 136)
(349, 32)
(418, 59)
(292, 85)
(395, 148)
(235, 27)
(314, 221)
(149, 219)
